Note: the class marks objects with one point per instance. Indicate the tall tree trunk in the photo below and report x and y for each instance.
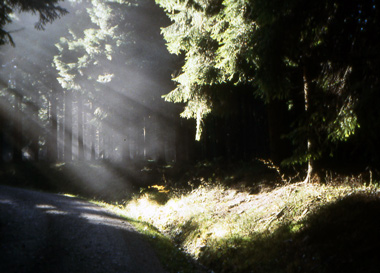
(93, 142)
(92, 135)
(2, 125)
(34, 129)
(126, 153)
(6, 112)
(310, 161)
(93, 154)
(139, 144)
(100, 142)
(185, 148)
(80, 128)
(68, 153)
(17, 129)
(278, 126)
(52, 144)
(85, 130)
(60, 126)
(180, 154)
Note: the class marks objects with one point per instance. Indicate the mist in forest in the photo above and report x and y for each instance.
(89, 88)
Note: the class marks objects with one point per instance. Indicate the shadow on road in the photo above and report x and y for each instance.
(42, 232)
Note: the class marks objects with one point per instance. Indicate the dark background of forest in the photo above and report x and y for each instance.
(89, 88)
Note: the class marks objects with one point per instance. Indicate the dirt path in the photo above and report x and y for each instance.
(42, 232)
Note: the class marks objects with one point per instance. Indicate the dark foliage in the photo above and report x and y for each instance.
(47, 10)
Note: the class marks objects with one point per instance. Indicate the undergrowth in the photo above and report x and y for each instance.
(276, 230)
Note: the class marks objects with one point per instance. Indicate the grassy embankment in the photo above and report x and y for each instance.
(330, 227)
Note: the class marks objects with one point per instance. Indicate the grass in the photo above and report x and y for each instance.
(173, 259)
(289, 228)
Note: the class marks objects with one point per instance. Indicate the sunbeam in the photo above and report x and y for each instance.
(88, 89)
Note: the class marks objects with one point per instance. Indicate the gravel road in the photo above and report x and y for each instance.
(41, 232)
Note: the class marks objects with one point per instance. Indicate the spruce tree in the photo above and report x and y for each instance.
(300, 56)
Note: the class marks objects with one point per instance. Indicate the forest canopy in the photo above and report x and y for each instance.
(314, 64)
(88, 87)
(294, 82)
(47, 10)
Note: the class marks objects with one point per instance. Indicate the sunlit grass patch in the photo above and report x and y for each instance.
(230, 230)
(160, 188)
(172, 258)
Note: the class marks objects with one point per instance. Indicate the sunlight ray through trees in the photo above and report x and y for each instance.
(253, 79)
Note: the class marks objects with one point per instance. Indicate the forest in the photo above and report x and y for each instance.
(290, 83)
(88, 89)
(176, 95)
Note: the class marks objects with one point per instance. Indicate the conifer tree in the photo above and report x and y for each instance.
(297, 54)
(117, 46)
(48, 11)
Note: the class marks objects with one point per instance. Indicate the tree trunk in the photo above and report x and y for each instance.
(139, 140)
(2, 127)
(34, 128)
(100, 142)
(184, 141)
(80, 128)
(17, 130)
(52, 144)
(278, 126)
(310, 161)
(126, 152)
(68, 153)
(93, 141)
(60, 125)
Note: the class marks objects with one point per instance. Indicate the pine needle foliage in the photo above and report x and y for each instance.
(282, 49)
(47, 10)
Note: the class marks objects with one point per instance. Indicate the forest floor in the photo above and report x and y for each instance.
(246, 218)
